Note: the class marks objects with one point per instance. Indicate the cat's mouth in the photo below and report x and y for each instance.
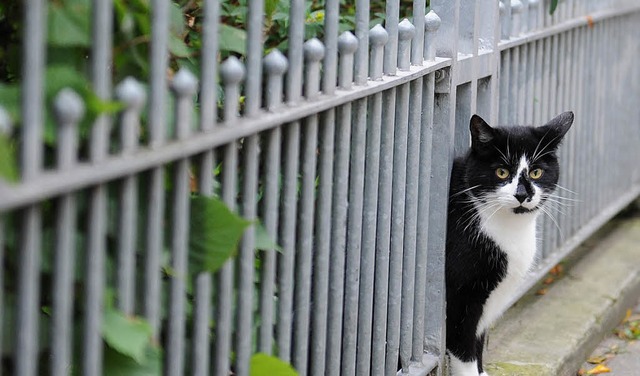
(523, 210)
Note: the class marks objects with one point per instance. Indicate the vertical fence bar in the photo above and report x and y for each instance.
(417, 46)
(377, 37)
(232, 73)
(413, 110)
(5, 130)
(69, 110)
(348, 44)
(383, 236)
(201, 358)
(340, 204)
(32, 101)
(184, 86)
(155, 212)
(406, 31)
(245, 266)
(322, 252)
(133, 95)
(102, 16)
(275, 65)
(422, 237)
(322, 244)
(314, 52)
(392, 17)
(361, 71)
(286, 262)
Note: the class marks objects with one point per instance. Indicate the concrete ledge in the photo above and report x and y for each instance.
(552, 334)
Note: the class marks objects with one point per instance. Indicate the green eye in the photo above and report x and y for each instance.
(502, 173)
(535, 174)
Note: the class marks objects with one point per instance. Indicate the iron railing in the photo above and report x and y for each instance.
(342, 149)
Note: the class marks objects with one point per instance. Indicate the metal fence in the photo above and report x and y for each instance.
(342, 149)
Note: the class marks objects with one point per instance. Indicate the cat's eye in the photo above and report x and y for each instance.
(536, 173)
(502, 173)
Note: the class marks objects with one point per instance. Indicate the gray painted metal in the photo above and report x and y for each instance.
(342, 150)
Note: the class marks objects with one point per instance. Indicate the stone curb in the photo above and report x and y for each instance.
(552, 334)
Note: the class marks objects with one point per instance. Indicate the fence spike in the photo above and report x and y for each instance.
(68, 107)
(232, 71)
(432, 23)
(275, 65)
(347, 46)
(313, 54)
(406, 32)
(378, 37)
(184, 83)
(314, 50)
(131, 93)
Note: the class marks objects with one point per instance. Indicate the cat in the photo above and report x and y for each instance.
(497, 192)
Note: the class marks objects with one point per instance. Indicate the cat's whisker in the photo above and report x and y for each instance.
(566, 189)
(464, 191)
(561, 197)
(553, 219)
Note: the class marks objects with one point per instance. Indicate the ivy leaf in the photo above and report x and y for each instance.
(553, 6)
(128, 335)
(232, 39)
(265, 365)
(178, 47)
(8, 162)
(68, 24)
(214, 233)
(263, 240)
(116, 364)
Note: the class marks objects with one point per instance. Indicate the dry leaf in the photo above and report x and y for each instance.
(581, 371)
(600, 368)
(556, 270)
(590, 21)
(542, 291)
(627, 315)
(548, 281)
(597, 359)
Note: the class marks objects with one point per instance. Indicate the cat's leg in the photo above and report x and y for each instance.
(479, 351)
(463, 368)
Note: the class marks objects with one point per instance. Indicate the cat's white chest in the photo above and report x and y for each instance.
(515, 234)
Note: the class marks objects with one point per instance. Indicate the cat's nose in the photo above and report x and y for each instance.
(520, 197)
(521, 193)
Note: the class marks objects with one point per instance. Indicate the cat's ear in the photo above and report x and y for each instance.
(557, 127)
(481, 132)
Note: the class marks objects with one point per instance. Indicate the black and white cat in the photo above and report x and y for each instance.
(497, 191)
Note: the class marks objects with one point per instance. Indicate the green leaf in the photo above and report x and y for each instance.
(116, 364)
(265, 365)
(8, 162)
(128, 335)
(214, 233)
(232, 39)
(553, 6)
(68, 24)
(263, 240)
(178, 47)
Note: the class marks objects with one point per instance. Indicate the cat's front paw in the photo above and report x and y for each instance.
(484, 373)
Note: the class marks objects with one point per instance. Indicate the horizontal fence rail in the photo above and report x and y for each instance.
(328, 161)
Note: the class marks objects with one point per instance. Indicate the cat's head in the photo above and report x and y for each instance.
(515, 167)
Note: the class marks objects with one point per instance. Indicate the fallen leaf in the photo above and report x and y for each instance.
(542, 291)
(627, 315)
(597, 359)
(590, 21)
(548, 281)
(600, 368)
(581, 371)
(556, 270)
